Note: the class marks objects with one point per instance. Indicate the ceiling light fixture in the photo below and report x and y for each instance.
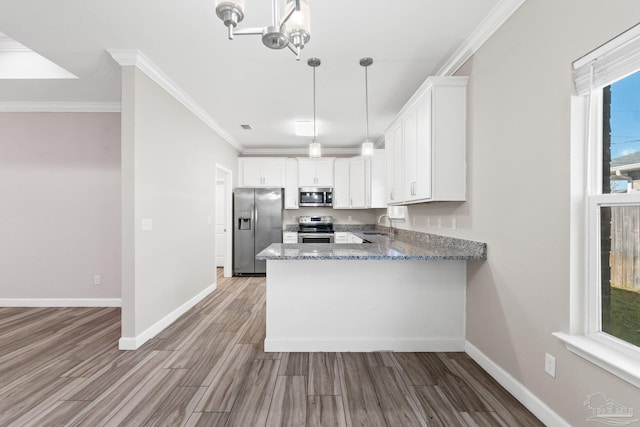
(367, 145)
(315, 150)
(293, 31)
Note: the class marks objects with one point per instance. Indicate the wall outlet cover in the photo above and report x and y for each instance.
(550, 365)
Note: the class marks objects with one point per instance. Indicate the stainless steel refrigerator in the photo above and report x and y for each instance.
(257, 217)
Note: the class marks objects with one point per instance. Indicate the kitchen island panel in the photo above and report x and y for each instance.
(365, 305)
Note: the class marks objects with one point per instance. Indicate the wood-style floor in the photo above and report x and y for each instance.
(62, 366)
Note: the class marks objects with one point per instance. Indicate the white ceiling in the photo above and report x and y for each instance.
(241, 81)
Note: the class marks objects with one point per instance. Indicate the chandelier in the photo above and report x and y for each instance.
(293, 31)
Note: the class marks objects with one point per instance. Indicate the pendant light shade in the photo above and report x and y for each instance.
(367, 145)
(367, 149)
(298, 26)
(315, 150)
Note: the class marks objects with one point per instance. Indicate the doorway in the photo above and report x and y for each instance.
(223, 218)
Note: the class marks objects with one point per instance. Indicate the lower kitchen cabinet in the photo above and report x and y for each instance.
(290, 237)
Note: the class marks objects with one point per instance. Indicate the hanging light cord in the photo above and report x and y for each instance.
(314, 104)
(366, 91)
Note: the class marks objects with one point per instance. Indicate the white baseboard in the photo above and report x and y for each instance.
(133, 343)
(60, 302)
(519, 391)
(362, 345)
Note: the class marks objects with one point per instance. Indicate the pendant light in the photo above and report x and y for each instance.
(315, 150)
(367, 145)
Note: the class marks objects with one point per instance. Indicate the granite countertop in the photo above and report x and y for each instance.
(406, 246)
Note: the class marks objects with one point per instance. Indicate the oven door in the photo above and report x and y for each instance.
(315, 237)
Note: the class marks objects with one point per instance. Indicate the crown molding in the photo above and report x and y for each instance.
(326, 151)
(134, 57)
(60, 107)
(489, 25)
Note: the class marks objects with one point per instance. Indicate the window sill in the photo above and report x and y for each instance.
(620, 365)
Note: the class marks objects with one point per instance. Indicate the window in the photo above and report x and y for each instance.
(620, 223)
(608, 82)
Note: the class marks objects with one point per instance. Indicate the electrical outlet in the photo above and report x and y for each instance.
(454, 223)
(413, 220)
(428, 221)
(550, 365)
(439, 222)
(96, 279)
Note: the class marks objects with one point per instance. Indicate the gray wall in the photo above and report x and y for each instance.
(518, 196)
(59, 205)
(168, 175)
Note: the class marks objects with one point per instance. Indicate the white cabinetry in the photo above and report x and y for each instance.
(341, 184)
(261, 172)
(359, 176)
(290, 237)
(426, 145)
(291, 184)
(346, 237)
(360, 182)
(395, 154)
(315, 173)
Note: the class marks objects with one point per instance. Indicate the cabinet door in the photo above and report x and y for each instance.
(398, 165)
(341, 237)
(273, 173)
(289, 237)
(357, 189)
(422, 187)
(410, 142)
(324, 173)
(291, 184)
(389, 166)
(251, 174)
(306, 173)
(378, 191)
(341, 187)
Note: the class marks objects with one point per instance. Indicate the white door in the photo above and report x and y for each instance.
(220, 226)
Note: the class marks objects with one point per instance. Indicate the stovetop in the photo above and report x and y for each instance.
(315, 224)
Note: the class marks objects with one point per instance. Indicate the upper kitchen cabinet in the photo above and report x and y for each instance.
(261, 171)
(315, 173)
(360, 182)
(426, 145)
(291, 184)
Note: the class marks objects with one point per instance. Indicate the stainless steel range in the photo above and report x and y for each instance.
(315, 229)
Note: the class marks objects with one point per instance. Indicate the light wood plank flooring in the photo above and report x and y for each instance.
(62, 367)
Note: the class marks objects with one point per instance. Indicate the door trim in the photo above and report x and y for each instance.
(226, 175)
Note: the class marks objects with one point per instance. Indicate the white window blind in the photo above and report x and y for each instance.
(608, 63)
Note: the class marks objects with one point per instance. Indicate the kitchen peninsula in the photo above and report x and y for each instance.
(406, 293)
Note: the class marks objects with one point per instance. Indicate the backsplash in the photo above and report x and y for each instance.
(340, 216)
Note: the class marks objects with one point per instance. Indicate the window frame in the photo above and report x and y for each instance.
(620, 58)
(593, 312)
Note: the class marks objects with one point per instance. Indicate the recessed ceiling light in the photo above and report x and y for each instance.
(246, 127)
(19, 62)
(305, 128)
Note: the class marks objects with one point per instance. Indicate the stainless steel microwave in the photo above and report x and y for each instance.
(315, 196)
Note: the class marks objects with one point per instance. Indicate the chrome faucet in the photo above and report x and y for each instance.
(391, 229)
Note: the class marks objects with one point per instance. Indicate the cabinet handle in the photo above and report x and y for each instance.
(350, 203)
